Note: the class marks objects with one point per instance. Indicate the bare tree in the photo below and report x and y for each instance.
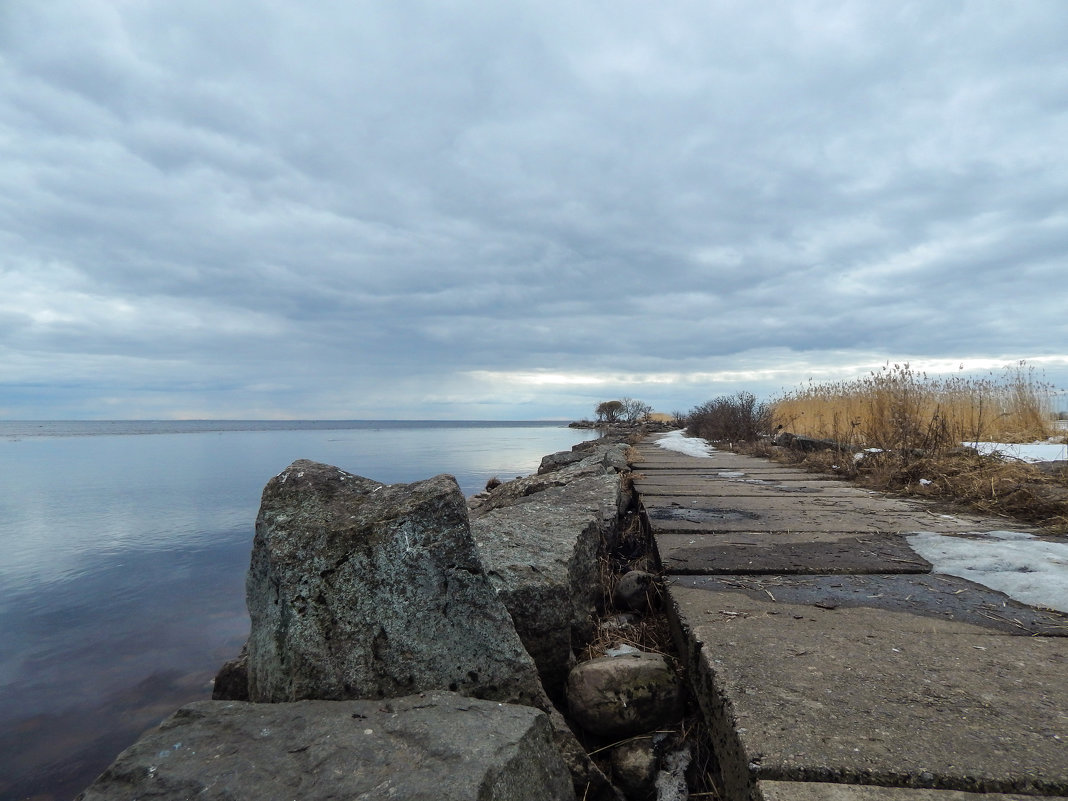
(608, 411)
(634, 411)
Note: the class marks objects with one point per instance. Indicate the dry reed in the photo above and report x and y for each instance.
(898, 408)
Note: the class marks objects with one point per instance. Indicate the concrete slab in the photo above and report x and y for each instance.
(872, 697)
(825, 791)
(788, 552)
(706, 466)
(660, 457)
(729, 485)
(730, 471)
(946, 598)
(681, 513)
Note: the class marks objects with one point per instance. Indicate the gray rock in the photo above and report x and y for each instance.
(615, 458)
(624, 695)
(554, 461)
(541, 556)
(231, 682)
(808, 444)
(634, 768)
(438, 746)
(597, 462)
(637, 591)
(361, 590)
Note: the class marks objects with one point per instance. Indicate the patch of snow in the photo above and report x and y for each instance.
(858, 456)
(730, 474)
(1028, 569)
(1042, 451)
(691, 446)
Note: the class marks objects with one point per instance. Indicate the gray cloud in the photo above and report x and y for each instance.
(415, 209)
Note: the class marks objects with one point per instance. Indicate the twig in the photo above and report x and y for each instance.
(620, 742)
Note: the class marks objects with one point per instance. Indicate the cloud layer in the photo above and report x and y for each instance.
(406, 209)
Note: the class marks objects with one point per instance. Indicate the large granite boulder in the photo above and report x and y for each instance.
(540, 554)
(438, 746)
(364, 590)
(597, 460)
(554, 461)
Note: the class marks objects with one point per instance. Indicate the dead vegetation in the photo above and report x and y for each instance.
(988, 484)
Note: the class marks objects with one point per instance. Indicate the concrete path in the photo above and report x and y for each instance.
(830, 663)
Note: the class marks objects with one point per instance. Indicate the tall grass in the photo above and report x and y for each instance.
(897, 408)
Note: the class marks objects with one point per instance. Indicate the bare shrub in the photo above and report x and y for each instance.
(731, 418)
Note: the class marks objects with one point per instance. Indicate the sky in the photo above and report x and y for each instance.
(475, 210)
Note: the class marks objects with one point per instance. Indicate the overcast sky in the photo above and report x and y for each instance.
(337, 209)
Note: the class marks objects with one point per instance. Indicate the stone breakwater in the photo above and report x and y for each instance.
(408, 643)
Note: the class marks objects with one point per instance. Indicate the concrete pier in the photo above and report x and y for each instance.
(830, 663)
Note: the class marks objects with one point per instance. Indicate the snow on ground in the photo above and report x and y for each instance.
(691, 446)
(1041, 451)
(1020, 565)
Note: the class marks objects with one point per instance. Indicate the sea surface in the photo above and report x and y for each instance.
(123, 551)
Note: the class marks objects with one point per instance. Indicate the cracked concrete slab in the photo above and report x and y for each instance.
(734, 483)
(826, 791)
(680, 513)
(857, 695)
(788, 553)
(946, 598)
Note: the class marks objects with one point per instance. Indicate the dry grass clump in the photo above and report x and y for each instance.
(992, 486)
(897, 408)
(651, 633)
(987, 484)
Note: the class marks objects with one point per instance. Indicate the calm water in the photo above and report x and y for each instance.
(123, 550)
